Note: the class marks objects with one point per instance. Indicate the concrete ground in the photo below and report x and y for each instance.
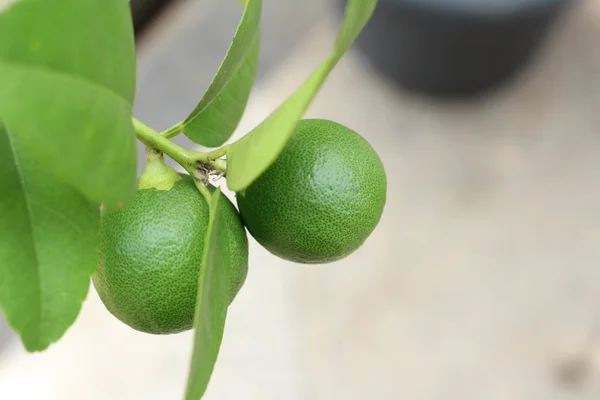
(481, 281)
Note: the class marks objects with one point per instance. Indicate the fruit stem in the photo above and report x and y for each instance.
(201, 186)
(196, 163)
(153, 155)
(157, 174)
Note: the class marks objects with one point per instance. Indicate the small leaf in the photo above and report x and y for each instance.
(48, 249)
(250, 156)
(219, 111)
(211, 303)
(67, 82)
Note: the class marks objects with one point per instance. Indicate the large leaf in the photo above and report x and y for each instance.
(67, 80)
(211, 303)
(48, 248)
(219, 111)
(250, 156)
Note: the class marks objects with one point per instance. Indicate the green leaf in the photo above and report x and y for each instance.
(48, 249)
(250, 156)
(211, 303)
(219, 111)
(67, 82)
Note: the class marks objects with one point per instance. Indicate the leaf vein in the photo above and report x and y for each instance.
(59, 215)
(23, 183)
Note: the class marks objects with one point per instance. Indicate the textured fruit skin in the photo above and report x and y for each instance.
(322, 197)
(151, 252)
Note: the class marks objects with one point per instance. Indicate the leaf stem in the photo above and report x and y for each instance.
(172, 131)
(217, 153)
(219, 165)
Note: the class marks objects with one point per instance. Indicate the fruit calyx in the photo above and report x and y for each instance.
(157, 174)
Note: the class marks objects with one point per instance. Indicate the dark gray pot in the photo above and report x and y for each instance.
(144, 11)
(437, 47)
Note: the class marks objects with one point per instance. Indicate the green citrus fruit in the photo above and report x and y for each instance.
(150, 256)
(322, 197)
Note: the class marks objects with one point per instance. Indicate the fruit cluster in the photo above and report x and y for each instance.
(317, 203)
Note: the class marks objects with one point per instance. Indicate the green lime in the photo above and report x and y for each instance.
(322, 197)
(150, 256)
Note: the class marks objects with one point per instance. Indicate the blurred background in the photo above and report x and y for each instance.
(482, 281)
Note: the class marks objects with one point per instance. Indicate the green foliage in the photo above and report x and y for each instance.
(250, 156)
(212, 301)
(219, 111)
(48, 249)
(67, 81)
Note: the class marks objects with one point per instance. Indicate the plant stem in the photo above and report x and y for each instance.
(196, 163)
(152, 139)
